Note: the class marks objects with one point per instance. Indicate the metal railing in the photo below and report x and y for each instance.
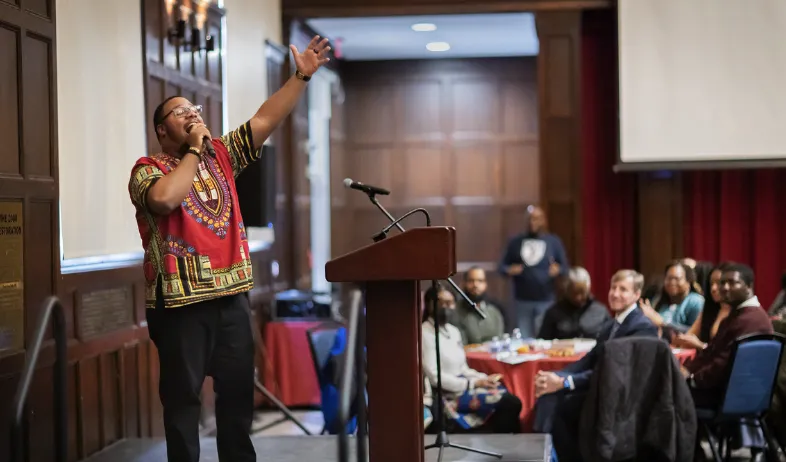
(51, 305)
(354, 361)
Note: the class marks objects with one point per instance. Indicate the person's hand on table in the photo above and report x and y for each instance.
(547, 382)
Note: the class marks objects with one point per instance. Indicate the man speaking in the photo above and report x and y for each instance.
(197, 266)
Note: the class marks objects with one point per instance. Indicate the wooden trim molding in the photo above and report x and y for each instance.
(559, 77)
(355, 8)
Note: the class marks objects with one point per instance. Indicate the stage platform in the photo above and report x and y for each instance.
(514, 448)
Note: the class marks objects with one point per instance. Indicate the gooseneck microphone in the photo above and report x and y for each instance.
(207, 144)
(372, 192)
(366, 188)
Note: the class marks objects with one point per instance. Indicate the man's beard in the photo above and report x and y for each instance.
(476, 298)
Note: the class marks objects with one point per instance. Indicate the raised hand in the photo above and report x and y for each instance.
(650, 312)
(553, 267)
(313, 57)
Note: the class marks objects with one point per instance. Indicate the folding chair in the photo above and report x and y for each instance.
(754, 361)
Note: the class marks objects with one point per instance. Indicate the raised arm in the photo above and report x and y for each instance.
(281, 103)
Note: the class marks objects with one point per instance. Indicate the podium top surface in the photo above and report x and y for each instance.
(414, 255)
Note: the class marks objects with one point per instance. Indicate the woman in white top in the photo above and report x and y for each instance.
(473, 400)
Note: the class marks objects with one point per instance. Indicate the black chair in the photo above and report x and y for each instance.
(754, 363)
(320, 341)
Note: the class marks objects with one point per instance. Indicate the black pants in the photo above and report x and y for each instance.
(506, 415)
(208, 338)
(565, 426)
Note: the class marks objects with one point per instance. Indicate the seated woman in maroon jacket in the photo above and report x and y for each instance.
(707, 371)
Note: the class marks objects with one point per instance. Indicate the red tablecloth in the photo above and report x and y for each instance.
(520, 378)
(289, 370)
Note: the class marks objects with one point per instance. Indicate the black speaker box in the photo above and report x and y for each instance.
(256, 190)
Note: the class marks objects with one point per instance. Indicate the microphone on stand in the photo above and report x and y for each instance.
(372, 192)
(207, 144)
(366, 188)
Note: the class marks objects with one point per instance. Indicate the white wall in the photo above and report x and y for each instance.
(248, 24)
(101, 117)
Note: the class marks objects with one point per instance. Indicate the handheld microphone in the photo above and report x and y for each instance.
(207, 145)
(368, 189)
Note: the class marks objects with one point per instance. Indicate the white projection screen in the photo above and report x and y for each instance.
(702, 84)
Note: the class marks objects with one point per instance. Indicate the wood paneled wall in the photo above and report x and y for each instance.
(659, 213)
(171, 69)
(457, 137)
(29, 267)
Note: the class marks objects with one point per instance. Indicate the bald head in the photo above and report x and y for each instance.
(537, 219)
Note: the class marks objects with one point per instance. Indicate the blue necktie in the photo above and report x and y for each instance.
(614, 329)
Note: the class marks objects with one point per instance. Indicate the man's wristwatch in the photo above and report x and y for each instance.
(302, 76)
(566, 383)
(194, 151)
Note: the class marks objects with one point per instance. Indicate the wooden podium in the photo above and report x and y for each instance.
(391, 271)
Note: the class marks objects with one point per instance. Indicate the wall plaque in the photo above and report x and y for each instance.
(104, 311)
(12, 311)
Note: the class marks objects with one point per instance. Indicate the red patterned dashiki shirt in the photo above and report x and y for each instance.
(200, 250)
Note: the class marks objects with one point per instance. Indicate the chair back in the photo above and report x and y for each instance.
(755, 359)
(320, 342)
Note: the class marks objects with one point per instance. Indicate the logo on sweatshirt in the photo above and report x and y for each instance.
(533, 251)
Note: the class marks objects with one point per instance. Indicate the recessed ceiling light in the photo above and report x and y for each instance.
(424, 27)
(438, 46)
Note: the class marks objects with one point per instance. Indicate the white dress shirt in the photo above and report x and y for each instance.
(620, 317)
(753, 301)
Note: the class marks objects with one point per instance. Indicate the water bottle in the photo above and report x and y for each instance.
(517, 340)
(506, 344)
(495, 346)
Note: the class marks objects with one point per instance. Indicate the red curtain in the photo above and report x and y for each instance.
(608, 198)
(734, 215)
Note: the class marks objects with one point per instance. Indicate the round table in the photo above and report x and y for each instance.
(520, 378)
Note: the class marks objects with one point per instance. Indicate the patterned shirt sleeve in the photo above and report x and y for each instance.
(143, 177)
(240, 145)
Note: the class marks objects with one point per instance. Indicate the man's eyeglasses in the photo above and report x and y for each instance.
(182, 111)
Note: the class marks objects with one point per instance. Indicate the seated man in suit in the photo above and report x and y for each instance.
(707, 371)
(561, 394)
